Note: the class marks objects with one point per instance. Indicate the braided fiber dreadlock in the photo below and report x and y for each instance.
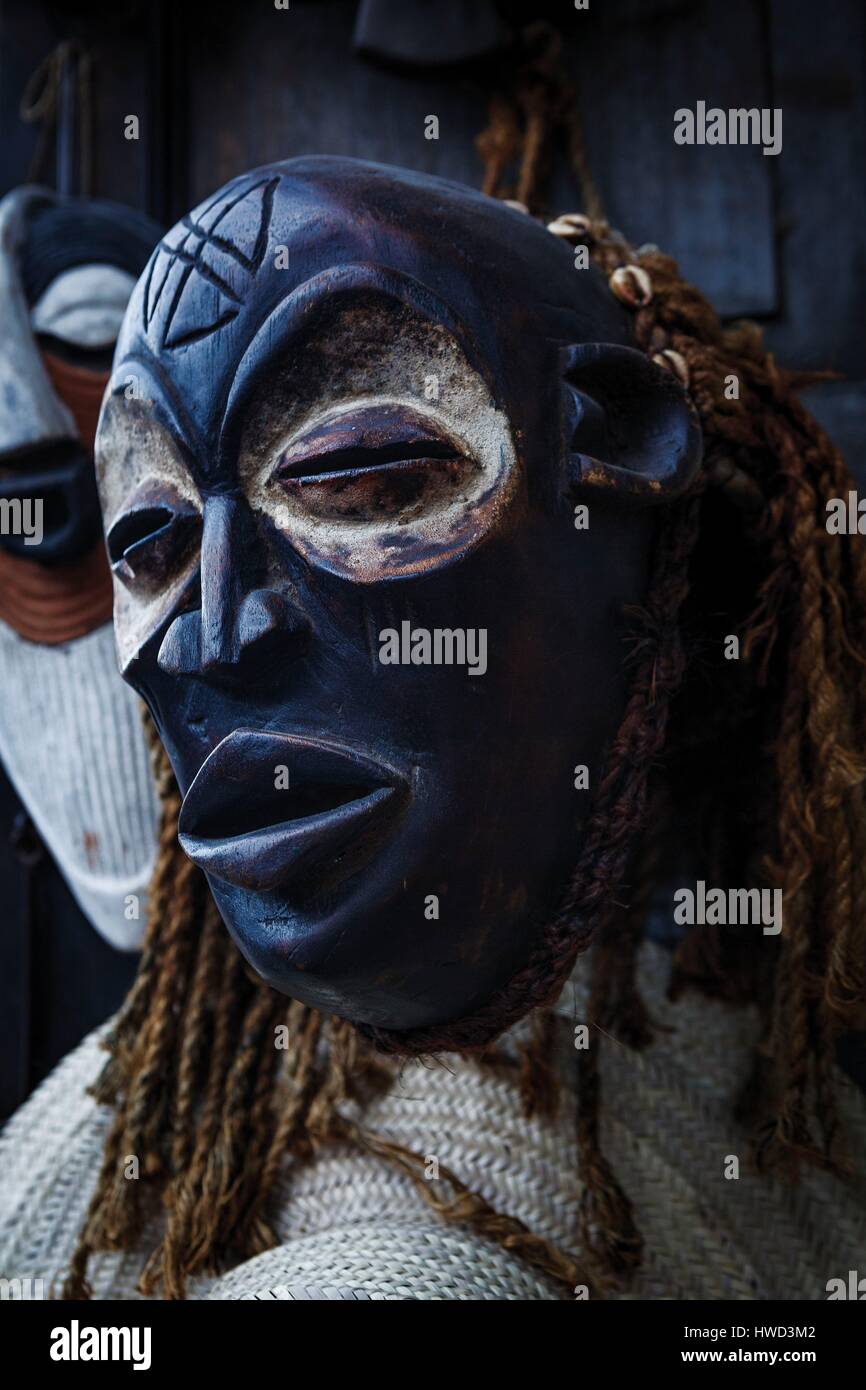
(204, 1102)
(761, 754)
(764, 754)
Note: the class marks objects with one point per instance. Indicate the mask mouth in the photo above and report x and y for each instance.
(277, 810)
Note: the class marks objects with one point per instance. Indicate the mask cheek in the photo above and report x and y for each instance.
(138, 619)
(151, 511)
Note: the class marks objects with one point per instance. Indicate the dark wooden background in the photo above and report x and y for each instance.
(219, 88)
(222, 87)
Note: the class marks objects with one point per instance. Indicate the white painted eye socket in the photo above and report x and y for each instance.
(84, 306)
(379, 488)
(375, 464)
(152, 515)
(374, 444)
(400, 489)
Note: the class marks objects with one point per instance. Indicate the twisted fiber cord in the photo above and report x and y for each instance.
(534, 103)
(538, 99)
(615, 963)
(250, 1158)
(846, 976)
(834, 1139)
(499, 143)
(466, 1207)
(803, 642)
(791, 1014)
(770, 430)
(579, 157)
(122, 1040)
(608, 1226)
(799, 642)
(145, 1100)
(195, 1189)
(204, 988)
(193, 1244)
(205, 1104)
(819, 837)
(538, 1080)
(824, 806)
(519, 125)
(290, 1128)
(186, 1153)
(163, 1030)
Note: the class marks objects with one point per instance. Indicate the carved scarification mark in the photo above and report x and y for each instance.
(249, 263)
(195, 262)
(145, 308)
(186, 259)
(152, 301)
(195, 334)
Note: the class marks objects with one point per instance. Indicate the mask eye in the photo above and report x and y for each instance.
(387, 463)
(152, 537)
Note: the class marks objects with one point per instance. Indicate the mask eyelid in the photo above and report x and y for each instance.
(359, 458)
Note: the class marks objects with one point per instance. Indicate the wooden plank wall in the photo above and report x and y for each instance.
(780, 239)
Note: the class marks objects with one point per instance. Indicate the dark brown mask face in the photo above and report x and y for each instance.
(352, 412)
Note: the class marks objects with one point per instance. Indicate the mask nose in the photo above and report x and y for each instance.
(237, 626)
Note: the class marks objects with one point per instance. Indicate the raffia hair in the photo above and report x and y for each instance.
(764, 759)
(213, 1110)
(192, 1071)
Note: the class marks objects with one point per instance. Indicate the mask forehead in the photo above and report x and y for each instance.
(313, 227)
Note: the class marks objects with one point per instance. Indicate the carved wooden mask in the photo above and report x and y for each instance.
(67, 266)
(352, 410)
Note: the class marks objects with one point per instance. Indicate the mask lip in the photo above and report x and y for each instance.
(83, 306)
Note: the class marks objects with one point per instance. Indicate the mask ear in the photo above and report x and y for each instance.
(629, 425)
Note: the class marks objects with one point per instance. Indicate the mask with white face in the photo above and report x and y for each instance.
(71, 737)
